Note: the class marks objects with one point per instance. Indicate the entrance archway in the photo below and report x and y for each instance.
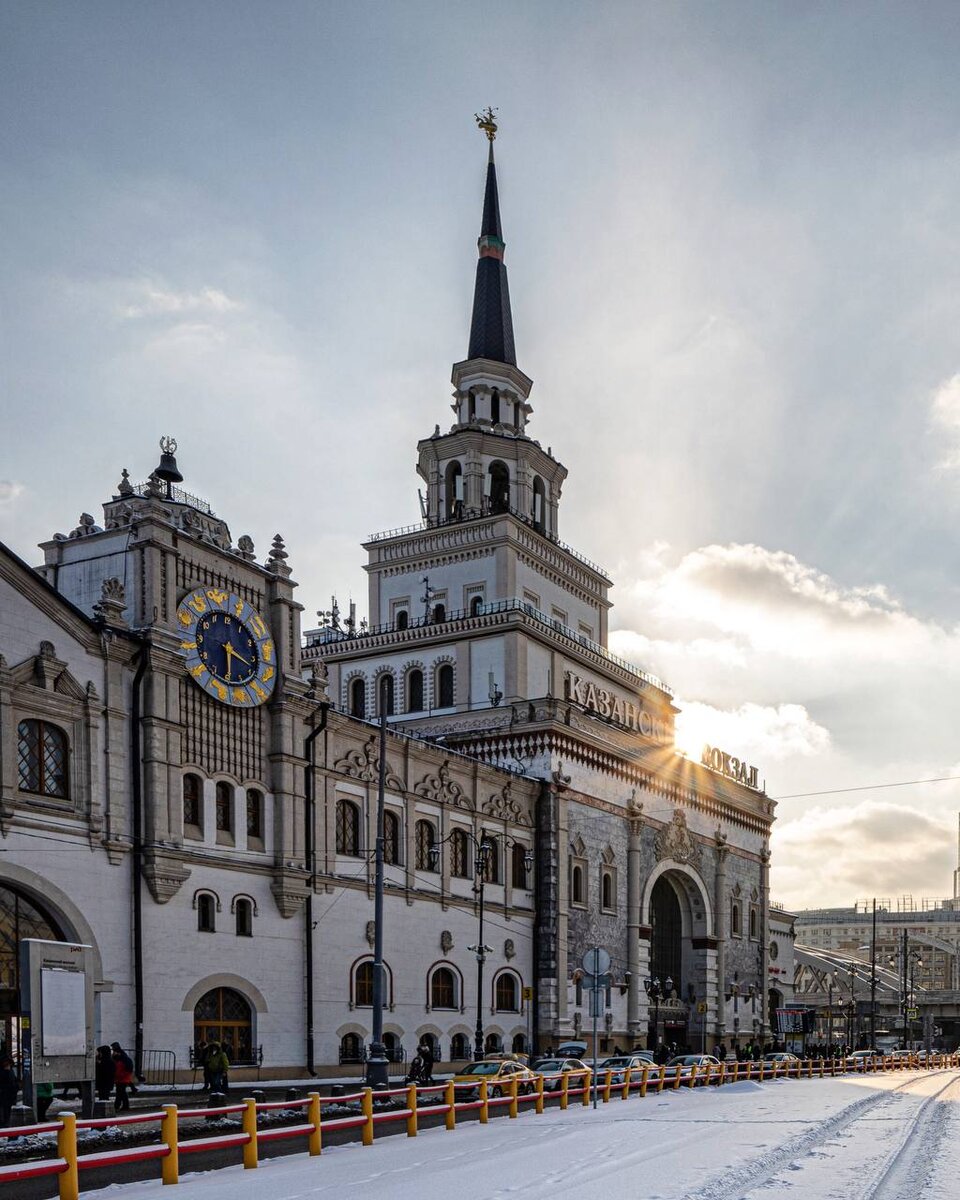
(223, 1015)
(20, 917)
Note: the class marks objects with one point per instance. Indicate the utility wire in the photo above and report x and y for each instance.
(868, 787)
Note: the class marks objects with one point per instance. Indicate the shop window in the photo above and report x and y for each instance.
(42, 759)
(493, 1044)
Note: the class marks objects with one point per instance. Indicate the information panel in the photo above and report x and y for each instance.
(63, 1012)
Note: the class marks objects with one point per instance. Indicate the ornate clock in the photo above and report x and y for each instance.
(229, 649)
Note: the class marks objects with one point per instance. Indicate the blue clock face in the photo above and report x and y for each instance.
(226, 648)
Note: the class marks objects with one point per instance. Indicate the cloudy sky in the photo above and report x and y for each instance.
(734, 252)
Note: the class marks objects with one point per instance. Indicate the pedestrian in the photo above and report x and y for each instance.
(43, 1093)
(9, 1087)
(104, 1073)
(218, 1065)
(122, 1076)
(722, 1052)
(200, 1060)
(425, 1050)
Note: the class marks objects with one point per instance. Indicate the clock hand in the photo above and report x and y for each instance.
(237, 655)
(228, 650)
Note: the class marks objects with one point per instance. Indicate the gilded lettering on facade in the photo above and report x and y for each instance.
(614, 707)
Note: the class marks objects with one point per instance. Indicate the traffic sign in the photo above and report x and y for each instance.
(599, 982)
(912, 1014)
(596, 961)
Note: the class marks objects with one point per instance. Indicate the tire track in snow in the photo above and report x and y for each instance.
(907, 1172)
(734, 1183)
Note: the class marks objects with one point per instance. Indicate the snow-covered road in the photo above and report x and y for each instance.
(874, 1138)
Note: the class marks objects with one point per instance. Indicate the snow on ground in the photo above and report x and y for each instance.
(880, 1137)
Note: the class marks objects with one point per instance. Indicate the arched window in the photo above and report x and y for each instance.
(459, 1047)
(445, 686)
(754, 922)
(391, 838)
(439, 613)
(506, 992)
(425, 837)
(459, 855)
(224, 807)
(491, 859)
(358, 697)
(348, 828)
(42, 759)
(415, 690)
(443, 988)
(495, 407)
(519, 1043)
(735, 918)
(243, 911)
(493, 1044)
(363, 985)
(224, 1016)
(19, 918)
(351, 1048)
(476, 605)
(206, 913)
(577, 888)
(498, 487)
(384, 691)
(606, 890)
(193, 802)
(403, 619)
(454, 490)
(539, 513)
(471, 406)
(254, 814)
(392, 1047)
(518, 861)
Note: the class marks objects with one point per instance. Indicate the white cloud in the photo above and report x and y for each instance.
(754, 732)
(10, 491)
(945, 414)
(155, 301)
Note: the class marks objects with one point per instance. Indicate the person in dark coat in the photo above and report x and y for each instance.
(218, 1064)
(425, 1050)
(9, 1087)
(122, 1076)
(105, 1075)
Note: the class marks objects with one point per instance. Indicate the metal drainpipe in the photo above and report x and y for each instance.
(137, 861)
(309, 753)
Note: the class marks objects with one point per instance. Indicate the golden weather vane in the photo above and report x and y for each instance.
(487, 121)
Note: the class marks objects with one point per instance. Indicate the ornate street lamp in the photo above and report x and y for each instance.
(657, 992)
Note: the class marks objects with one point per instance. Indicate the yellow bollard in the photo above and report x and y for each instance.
(662, 1078)
(644, 1077)
(565, 1089)
(821, 1068)
(587, 1082)
(484, 1103)
(315, 1139)
(412, 1105)
(249, 1125)
(513, 1108)
(626, 1083)
(762, 1065)
(450, 1099)
(538, 1106)
(676, 1078)
(723, 1073)
(606, 1086)
(67, 1150)
(366, 1108)
(170, 1134)
(693, 1076)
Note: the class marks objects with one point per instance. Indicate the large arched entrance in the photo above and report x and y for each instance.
(20, 917)
(223, 1015)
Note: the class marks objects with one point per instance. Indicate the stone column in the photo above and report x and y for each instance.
(720, 923)
(546, 939)
(635, 820)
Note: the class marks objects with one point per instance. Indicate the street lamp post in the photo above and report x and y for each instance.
(483, 848)
(657, 992)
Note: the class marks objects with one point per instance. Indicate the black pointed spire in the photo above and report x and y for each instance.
(491, 328)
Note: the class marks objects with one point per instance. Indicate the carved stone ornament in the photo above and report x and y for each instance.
(319, 680)
(674, 842)
(509, 949)
(112, 603)
(635, 814)
(154, 487)
(503, 806)
(365, 765)
(446, 941)
(277, 562)
(86, 527)
(560, 781)
(245, 547)
(442, 788)
(164, 876)
(371, 933)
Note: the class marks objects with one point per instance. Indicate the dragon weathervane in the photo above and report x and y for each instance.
(487, 121)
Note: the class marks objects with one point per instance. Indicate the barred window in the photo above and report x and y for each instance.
(507, 993)
(391, 838)
(425, 837)
(459, 855)
(254, 813)
(348, 828)
(491, 859)
(443, 989)
(224, 807)
(192, 800)
(42, 759)
(519, 870)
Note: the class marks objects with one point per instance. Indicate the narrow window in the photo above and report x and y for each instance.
(518, 873)
(443, 990)
(491, 860)
(576, 884)
(425, 837)
(459, 855)
(348, 828)
(358, 698)
(403, 619)
(753, 922)
(735, 919)
(385, 693)
(244, 914)
(606, 891)
(254, 814)
(42, 759)
(539, 505)
(224, 807)
(439, 613)
(476, 604)
(497, 487)
(454, 490)
(507, 993)
(415, 690)
(445, 686)
(351, 1048)
(206, 919)
(495, 407)
(459, 1047)
(391, 838)
(192, 801)
(363, 985)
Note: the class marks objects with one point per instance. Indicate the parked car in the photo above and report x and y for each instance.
(553, 1070)
(780, 1056)
(863, 1056)
(499, 1074)
(684, 1064)
(618, 1063)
